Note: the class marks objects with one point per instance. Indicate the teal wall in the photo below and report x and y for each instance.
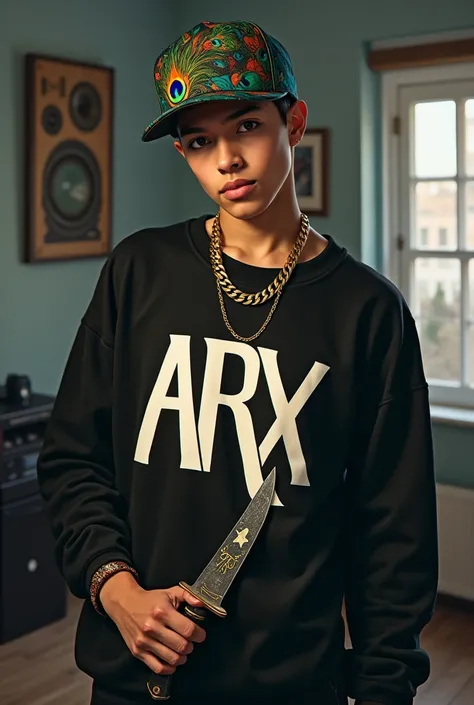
(41, 304)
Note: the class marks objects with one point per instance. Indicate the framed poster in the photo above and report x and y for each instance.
(69, 136)
(311, 171)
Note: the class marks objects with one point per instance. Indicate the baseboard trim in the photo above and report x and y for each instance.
(456, 603)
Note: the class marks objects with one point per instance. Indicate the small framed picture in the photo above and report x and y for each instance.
(311, 171)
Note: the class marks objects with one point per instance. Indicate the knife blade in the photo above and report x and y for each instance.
(215, 580)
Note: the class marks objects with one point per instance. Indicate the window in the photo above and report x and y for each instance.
(429, 219)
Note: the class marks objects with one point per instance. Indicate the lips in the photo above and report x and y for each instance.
(233, 185)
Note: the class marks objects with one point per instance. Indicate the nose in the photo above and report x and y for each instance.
(228, 158)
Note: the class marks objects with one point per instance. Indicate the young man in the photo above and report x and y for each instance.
(212, 351)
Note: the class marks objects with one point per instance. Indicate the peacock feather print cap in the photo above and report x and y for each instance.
(218, 61)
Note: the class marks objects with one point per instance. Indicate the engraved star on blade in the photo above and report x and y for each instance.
(219, 574)
(241, 537)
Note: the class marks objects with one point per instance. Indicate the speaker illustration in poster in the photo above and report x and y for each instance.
(69, 125)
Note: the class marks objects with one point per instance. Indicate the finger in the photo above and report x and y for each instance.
(166, 655)
(177, 621)
(178, 595)
(174, 641)
(190, 599)
(155, 665)
(156, 656)
(184, 626)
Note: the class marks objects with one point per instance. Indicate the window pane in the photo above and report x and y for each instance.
(470, 215)
(470, 137)
(470, 327)
(436, 215)
(436, 307)
(435, 139)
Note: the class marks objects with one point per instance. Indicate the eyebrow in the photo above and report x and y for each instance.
(233, 116)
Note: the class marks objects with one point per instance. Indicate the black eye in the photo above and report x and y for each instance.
(198, 143)
(249, 125)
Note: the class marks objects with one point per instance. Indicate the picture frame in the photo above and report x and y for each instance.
(311, 171)
(69, 126)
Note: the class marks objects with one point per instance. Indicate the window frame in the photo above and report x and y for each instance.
(395, 259)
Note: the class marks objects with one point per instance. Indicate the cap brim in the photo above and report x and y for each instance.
(163, 125)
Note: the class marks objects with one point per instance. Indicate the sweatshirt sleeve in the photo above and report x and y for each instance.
(392, 555)
(85, 511)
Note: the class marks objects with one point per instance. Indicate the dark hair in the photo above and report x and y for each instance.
(283, 105)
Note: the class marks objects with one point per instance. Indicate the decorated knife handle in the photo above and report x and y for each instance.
(158, 686)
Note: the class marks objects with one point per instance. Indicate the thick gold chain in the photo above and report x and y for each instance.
(274, 289)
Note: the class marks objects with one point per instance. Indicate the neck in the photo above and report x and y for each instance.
(267, 238)
(275, 229)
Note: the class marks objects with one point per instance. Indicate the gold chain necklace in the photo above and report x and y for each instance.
(272, 290)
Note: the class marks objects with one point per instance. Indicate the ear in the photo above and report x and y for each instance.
(297, 119)
(179, 147)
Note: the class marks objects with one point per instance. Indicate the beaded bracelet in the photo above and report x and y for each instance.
(101, 576)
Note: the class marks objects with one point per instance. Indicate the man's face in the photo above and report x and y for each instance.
(243, 144)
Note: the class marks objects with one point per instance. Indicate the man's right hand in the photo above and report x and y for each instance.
(149, 622)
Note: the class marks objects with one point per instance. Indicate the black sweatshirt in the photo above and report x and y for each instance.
(165, 426)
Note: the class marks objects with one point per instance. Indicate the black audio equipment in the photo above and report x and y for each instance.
(18, 389)
(33, 593)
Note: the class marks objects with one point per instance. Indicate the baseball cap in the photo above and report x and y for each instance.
(218, 61)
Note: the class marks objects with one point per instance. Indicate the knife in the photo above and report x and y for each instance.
(219, 574)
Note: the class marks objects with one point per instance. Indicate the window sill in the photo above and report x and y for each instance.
(452, 416)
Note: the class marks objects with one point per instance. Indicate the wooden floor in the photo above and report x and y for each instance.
(39, 669)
